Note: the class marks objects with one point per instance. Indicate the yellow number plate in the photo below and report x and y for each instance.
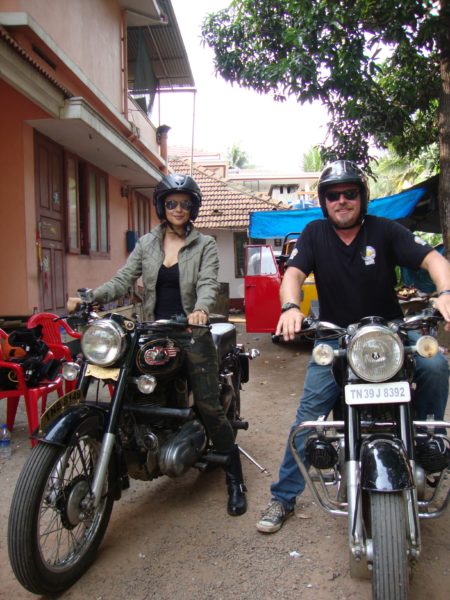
(102, 372)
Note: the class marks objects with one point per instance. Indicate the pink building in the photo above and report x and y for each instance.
(79, 153)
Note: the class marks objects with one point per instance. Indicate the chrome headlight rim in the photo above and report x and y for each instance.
(103, 342)
(381, 338)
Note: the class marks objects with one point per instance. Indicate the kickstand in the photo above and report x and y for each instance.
(252, 460)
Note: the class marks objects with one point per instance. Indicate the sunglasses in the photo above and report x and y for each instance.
(348, 195)
(172, 204)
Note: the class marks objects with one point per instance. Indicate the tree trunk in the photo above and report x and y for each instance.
(444, 127)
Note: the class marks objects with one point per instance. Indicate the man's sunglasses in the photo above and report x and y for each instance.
(348, 195)
(172, 204)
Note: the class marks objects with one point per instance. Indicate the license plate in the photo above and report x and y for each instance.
(377, 393)
(102, 372)
(59, 406)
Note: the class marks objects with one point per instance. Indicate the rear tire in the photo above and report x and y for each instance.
(52, 540)
(390, 576)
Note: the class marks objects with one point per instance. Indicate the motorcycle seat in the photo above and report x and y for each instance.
(224, 337)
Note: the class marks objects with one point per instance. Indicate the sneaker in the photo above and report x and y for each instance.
(273, 517)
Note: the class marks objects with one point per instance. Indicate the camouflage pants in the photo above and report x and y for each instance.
(201, 357)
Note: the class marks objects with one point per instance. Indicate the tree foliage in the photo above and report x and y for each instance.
(237, 157)
(393, 173)
(312, 160)
(381, 67)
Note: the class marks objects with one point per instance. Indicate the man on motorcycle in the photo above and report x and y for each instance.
(179, 268)
(353, 256)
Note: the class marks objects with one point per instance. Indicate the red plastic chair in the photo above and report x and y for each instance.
(32, 395)
(51, 335)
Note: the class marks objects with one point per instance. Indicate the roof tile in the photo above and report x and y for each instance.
(224, 205)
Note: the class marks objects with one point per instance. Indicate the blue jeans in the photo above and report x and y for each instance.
(321, 393)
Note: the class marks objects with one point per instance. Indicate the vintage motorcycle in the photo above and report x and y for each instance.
(387, 469)
(131, 415)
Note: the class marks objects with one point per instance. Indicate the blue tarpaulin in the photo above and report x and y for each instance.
(277, 224)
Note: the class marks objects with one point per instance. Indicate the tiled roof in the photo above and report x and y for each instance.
(224, 205)
(186, 152)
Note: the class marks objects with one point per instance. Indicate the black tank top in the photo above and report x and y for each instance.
(168, 296)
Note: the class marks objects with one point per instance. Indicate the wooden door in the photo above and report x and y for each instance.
(49, 166)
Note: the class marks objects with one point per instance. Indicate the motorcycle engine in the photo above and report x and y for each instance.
(151, 452)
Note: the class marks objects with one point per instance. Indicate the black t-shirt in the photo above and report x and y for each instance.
(358, 280)
(168, 295)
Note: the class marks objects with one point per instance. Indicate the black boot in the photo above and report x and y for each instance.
(237, 504)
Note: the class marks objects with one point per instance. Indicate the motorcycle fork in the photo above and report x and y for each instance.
(109, 436)
(355, 517)
(406, 434)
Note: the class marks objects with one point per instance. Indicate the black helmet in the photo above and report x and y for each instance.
(343, 171)
(172, 183)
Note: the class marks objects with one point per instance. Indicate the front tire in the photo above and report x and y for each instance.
(52, 539)
(390, 576)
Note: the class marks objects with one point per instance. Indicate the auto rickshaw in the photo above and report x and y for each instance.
(263, 275)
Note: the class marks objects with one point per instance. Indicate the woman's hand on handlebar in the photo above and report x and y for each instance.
(290, 324)
(198, 317)
(72, 304)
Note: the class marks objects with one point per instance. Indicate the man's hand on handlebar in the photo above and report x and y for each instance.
(442, 304)
(290, 324)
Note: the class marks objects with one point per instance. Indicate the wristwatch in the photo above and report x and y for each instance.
(287, 305)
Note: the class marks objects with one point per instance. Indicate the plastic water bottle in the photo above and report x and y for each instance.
(5, 443)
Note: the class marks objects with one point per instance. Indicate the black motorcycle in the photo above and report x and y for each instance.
(131, 415)
(371, 461)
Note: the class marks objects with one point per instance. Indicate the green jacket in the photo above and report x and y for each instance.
(198, 263)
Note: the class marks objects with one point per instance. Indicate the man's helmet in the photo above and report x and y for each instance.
(173, 183)
(343, 171)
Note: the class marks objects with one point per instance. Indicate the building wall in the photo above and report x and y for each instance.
(88, 32)
(84, 271)
(18, 256)
(225, 245)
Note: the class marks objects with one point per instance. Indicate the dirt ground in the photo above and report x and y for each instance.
(173, 538)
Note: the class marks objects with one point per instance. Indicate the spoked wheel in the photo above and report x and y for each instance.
(53, 532)
(390, 576)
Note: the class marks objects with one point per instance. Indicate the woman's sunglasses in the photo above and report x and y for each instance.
(348, 195)
(172, 204)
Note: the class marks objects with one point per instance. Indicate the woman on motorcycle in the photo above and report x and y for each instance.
(179, 268)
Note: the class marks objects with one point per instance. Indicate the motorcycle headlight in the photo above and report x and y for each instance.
(103, 342)
(375, 353)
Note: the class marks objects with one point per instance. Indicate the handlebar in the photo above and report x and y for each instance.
(311, 326)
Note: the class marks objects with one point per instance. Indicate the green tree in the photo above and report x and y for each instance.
(237, 157)
(312, 160)
(393, 173)
(382, 68)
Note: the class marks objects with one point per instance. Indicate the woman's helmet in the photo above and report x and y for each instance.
(343, 171)
(173, 183)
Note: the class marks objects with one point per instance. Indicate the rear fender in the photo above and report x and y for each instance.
(385, 466)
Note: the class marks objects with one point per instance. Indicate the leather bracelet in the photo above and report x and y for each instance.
(201, 310)
(443, 293)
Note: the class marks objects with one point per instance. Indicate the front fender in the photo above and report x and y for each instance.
(385, 466)
(80, 417)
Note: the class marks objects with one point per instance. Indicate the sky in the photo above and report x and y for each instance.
(274, 135)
